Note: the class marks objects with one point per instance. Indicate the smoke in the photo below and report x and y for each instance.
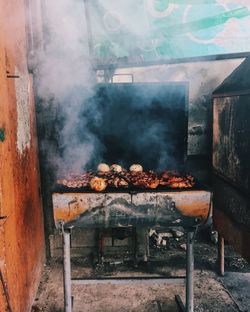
(64, 81)
(142, 123)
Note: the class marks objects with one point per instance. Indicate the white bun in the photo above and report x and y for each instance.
(116, 168)
(103, 168)
(136, 168)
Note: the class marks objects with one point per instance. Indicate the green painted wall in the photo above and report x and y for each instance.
(149, 30)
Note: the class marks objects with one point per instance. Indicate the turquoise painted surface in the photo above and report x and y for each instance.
(148, 30)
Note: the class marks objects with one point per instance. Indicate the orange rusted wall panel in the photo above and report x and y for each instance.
(22, 250)
(5, 173)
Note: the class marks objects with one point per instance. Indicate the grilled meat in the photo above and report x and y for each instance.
(144, 179)
(116, 168)
(115, 179)
(98, 184)
(174, 179)
(125, 179)
(78, 181)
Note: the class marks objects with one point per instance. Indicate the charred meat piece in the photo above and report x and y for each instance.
(115, 179)
(120, 182)
(98, 184)
(174, 179)
(144, 179)
(124, 179)
(116, 168)
(76, 181)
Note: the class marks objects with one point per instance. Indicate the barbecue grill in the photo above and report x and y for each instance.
(137, 123)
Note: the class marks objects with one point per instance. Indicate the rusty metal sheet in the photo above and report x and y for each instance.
(22, 250)
(230, 200)
(186, 208)
(235, 234)
(231, 139)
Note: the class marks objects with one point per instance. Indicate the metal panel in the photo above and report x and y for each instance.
(148, 117)
(21, 229)
(231, 154)
(122, 209)
(236, 234)
(231, 139)
(230, 200)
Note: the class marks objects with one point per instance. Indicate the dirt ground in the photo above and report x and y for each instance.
(211, 291)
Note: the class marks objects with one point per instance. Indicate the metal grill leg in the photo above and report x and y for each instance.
(190, 273)
(67, 271)
(221, 255)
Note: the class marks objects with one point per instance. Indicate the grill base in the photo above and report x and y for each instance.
(189, 280)
(98, 210)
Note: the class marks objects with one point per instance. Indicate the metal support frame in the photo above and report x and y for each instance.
(188, 280)
(190, 273)
(67, 270)
(189, 276)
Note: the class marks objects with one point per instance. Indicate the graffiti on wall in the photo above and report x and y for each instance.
(149, 30)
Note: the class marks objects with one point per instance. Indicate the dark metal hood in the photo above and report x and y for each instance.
(142, 123)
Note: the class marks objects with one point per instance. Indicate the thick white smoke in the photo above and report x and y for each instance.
(65, 77)
(65, 74)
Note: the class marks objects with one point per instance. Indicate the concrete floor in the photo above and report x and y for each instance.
(212, 293)
(238, 285)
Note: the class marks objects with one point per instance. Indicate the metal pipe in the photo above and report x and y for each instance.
(130, 281)
(221, 255)
(190, 273)
(89, 28)
(67, 271)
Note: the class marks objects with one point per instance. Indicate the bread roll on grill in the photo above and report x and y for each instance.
(103, 168)
(116, 168)
(136, 168)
